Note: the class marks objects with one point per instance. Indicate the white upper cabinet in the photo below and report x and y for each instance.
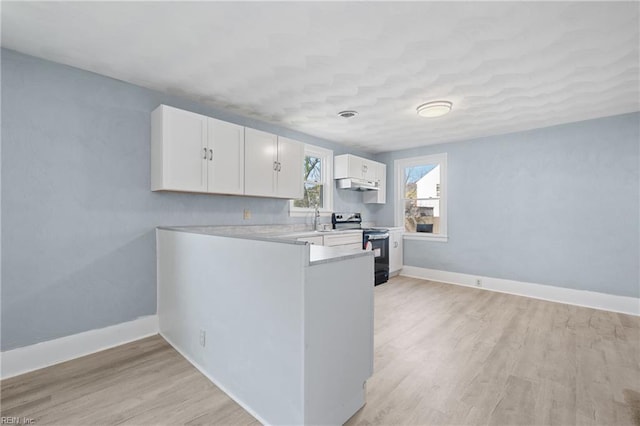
(348, 166)
(273, 165)
(226, 157)
(290, 174)
(179, 150)
(195, 153)
(355, 166)
(370, 170)
(380, 177)
(352, 166)
(260, 163)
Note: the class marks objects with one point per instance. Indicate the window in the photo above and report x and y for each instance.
(317, 171)
(421, 196)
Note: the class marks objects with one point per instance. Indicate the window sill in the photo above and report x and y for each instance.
(425, 237)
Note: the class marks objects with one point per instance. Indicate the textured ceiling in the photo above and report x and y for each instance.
(505, 66)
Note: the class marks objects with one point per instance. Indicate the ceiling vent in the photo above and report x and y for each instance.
(347, 114)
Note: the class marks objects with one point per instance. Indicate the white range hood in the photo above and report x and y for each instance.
(356, 184)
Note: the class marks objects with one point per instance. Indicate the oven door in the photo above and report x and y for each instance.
(379, 243)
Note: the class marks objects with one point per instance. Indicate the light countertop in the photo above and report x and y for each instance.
(282, 235)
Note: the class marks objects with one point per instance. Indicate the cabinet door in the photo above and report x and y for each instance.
(379, 196)
(395, 249)
(183, 136)
(343, 239)
(356, 166)
(341, 166)
(225, 158)
(381, 177)
(312, 240)
(260, 156)
(369, 170)
(290, 170)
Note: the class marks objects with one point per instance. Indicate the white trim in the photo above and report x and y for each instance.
(231, 395)
(23, 360)
(590, 299)
(326, 155)
(399, 166)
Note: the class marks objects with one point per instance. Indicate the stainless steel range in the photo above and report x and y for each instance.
(375, 239)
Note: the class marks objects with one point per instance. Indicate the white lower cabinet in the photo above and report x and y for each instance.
(395, 250)
(351, 240)
(313, 240)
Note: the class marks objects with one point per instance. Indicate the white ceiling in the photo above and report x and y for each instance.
(505, 66)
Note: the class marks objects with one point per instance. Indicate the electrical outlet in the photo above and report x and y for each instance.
(478, 282)
(203, 338)
(246, 214)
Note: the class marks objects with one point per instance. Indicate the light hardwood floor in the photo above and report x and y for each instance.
(443, 355)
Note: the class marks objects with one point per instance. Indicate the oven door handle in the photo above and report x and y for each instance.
(377, 237)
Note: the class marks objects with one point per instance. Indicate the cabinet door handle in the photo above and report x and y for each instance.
(210, 155)
(275, 166)
(395, 244)
(279, 166)
(205, 154)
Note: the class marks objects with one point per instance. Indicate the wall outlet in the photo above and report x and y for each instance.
(478, 282)
(203, 338)
(246, 215)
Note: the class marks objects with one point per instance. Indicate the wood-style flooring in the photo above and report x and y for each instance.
(444, 355)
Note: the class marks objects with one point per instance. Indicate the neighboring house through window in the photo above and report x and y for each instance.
(317, 171)
(421, 196)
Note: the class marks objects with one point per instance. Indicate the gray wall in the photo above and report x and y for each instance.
(78, 249)
(78, 216)
(556, 206)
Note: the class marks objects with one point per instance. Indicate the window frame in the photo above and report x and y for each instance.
(326, 161)
(399, 166)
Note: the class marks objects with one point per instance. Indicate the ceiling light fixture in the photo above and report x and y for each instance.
(348, 114)
(434, 109)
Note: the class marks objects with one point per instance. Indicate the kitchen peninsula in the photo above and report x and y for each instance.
(282, 326)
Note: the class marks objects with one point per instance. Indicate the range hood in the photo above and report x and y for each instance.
(355, 184)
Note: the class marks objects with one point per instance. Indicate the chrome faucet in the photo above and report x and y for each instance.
(316, 216)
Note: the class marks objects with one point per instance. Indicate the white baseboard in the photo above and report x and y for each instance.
(590, 299)
(33, 357)
(215, 382)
